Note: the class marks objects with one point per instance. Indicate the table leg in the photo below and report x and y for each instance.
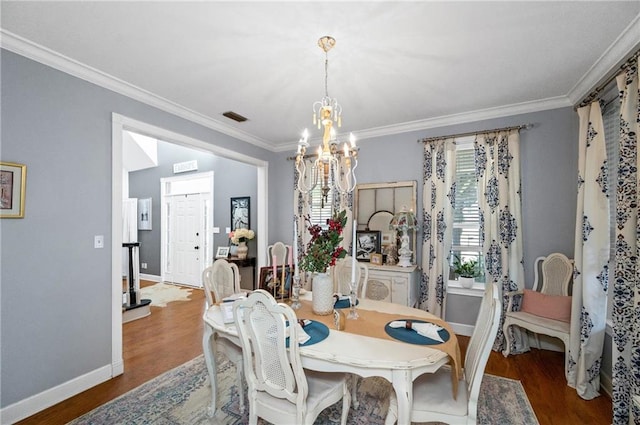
(208, 347)
(403, 387)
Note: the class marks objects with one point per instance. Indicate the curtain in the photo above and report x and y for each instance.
(438, 200)
(591, 257)
(498, 173)
(626, 296)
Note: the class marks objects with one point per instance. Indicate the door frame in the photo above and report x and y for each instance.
(119, 123)
(208, 196)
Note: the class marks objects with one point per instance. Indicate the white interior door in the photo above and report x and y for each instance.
(186, 239)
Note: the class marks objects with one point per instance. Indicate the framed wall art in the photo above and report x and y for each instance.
(367, 243)
(13, 184)
(240, 213)
(144, 214)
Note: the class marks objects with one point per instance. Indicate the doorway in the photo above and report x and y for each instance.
(121, 123)
(187, 219)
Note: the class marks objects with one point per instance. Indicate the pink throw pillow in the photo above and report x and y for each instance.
(555, 307)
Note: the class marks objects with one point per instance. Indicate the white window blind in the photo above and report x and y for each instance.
(320, 212)
(466, 216)
(611, 121)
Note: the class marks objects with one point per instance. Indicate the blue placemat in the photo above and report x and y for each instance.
(413, 337)
(344, 304)
(316, 330)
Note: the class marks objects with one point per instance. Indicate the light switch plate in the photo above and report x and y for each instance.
(216, 230)
(98, 241)
(227, 230)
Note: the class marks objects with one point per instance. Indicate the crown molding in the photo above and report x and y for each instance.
(454, 119)
(41, 54)
(607, 63)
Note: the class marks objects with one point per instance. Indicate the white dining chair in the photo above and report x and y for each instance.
(220, 280)
(280, 390)
(281, 253)
(433, 392)
(342, 276)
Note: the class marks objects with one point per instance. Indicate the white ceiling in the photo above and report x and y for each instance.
(396, 67)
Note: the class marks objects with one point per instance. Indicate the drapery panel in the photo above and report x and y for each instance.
(591, 257)
(626, 285)
(497, 162)
(438, 200)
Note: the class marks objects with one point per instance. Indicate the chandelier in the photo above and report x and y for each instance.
(333, 167)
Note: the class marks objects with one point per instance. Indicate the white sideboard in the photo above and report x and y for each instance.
(395, 284)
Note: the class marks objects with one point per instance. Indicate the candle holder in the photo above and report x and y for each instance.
(353, 314)
(295, 297)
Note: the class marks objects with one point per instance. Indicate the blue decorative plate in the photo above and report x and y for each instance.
(413, 337)
(344, 304)
(318, 331)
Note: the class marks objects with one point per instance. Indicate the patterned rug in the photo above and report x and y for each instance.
(180, 396)
(162, 293)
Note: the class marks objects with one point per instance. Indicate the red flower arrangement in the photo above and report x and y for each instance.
(323, 250)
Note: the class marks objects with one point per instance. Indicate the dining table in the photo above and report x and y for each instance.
(364, 347)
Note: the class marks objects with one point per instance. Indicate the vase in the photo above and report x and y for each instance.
(322, 294)
(466, 282)
(243, 250)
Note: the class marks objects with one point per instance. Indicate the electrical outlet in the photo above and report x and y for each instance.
(98, 241)
(143, 265)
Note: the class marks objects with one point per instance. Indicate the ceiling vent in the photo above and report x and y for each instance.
(236, 117)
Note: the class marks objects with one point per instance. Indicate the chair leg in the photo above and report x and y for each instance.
(505, 332)
(392, 414)
(239, 377)
(346, 403)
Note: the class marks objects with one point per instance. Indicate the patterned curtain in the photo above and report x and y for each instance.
(626, 296)
(498, 173)
(591, 252)
(438, 198)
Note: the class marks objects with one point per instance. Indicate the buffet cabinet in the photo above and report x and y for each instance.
(400, 285)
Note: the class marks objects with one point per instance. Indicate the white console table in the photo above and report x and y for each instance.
(400, 285)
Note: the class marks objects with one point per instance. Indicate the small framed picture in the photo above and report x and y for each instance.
(387, 238)
(275, 285)
(367, 243)
(376, 259)
(222, 252)
(12, 189)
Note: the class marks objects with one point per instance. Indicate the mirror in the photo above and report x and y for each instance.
(376, 203)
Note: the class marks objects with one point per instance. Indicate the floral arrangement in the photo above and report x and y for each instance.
(324, 247)
(241, 235)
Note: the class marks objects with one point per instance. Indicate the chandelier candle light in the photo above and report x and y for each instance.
(336, 167)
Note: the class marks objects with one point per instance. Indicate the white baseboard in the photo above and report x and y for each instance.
(34, 404)
(462, 329)
(151, 277)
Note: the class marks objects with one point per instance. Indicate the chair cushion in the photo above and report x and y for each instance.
(432, 393)
(554, 307)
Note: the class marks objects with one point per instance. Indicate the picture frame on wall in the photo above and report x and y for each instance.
(222, 252)
(13, 178)
(241, 212)
(367, 243)
(144, 214)
(274, 286)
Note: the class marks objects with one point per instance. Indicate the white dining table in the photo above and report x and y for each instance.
(397, 362)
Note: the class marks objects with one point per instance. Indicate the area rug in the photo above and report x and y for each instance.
(181, 395)
(162, 293)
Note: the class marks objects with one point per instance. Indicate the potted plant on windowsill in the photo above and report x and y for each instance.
(467, 271)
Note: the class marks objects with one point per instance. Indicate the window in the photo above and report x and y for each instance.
(466, 215)
(321, 210)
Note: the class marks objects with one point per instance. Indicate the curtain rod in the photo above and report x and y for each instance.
(598, 90)
(473, 133)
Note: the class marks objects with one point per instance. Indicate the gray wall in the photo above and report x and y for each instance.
(56, 289)
(231, 179)
(55, 301)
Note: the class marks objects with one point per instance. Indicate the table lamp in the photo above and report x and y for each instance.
(404, 222)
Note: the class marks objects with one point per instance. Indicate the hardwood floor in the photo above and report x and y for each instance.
(173, 335)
